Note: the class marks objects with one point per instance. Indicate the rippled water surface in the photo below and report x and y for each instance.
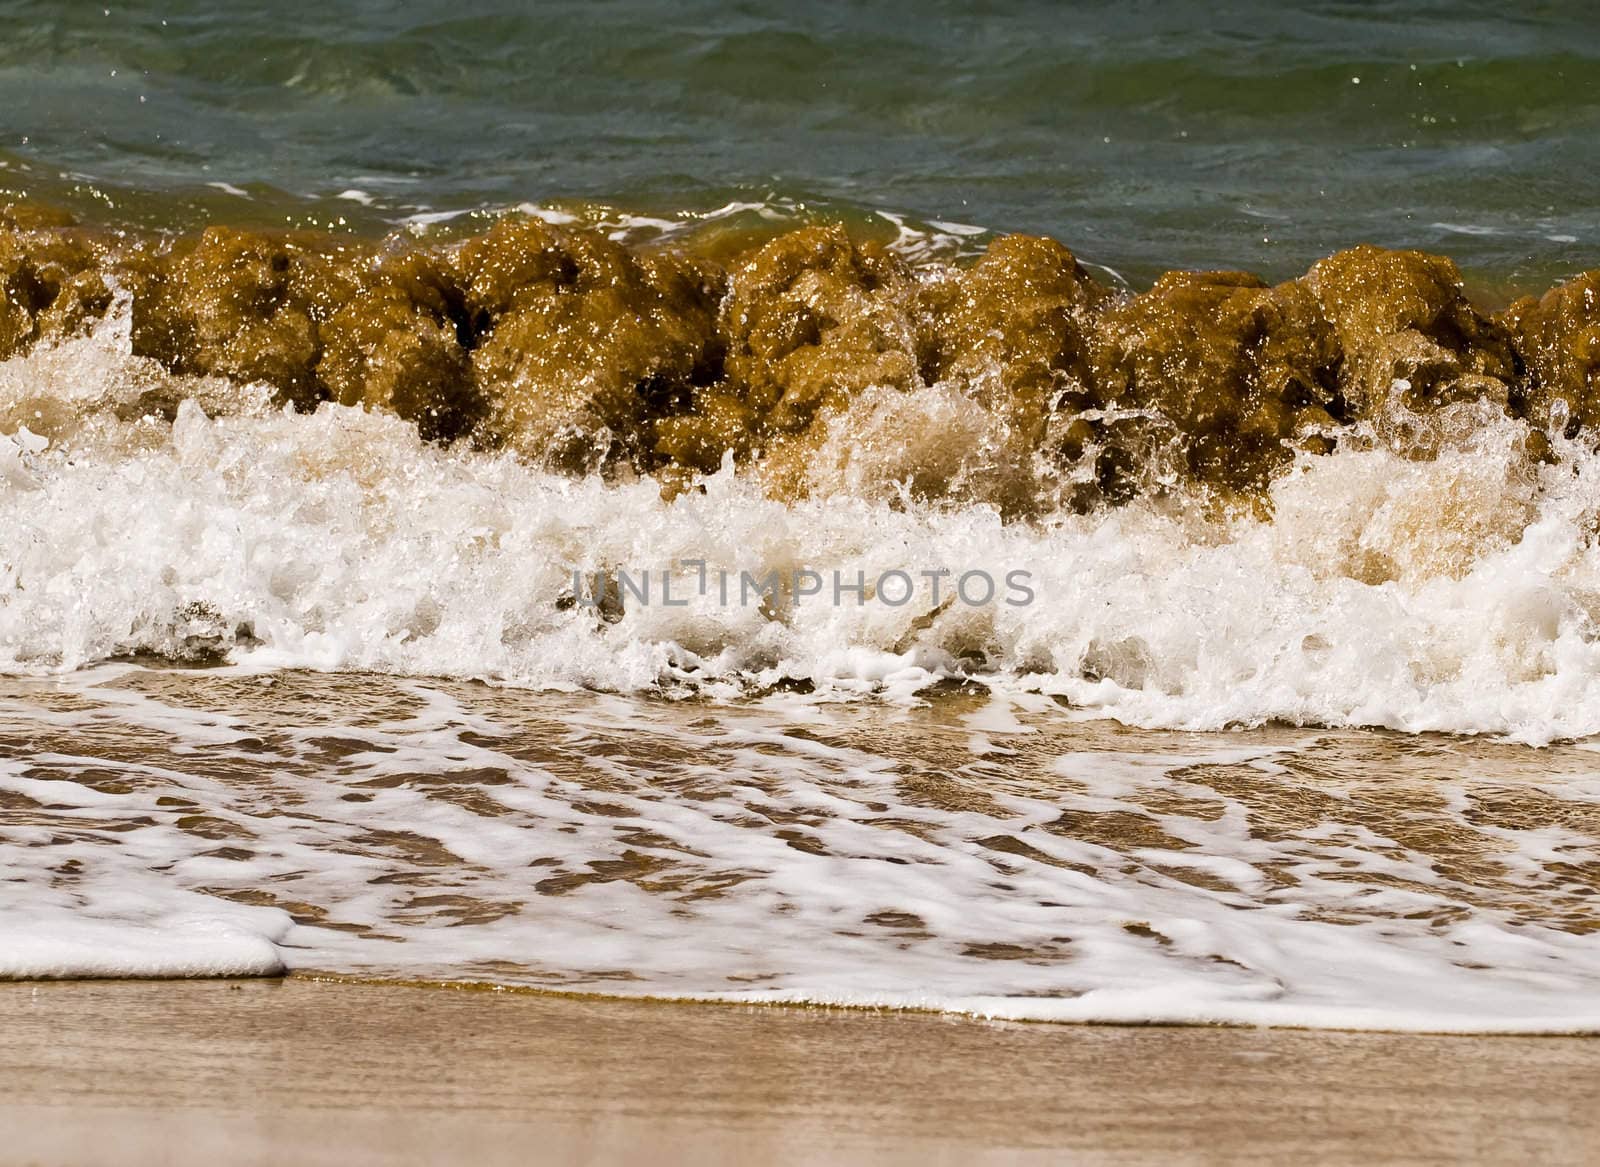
(1145, 136)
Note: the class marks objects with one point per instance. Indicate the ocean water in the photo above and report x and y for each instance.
(968, 853)
(288, 686)
(1146, 136)
(1055, 810)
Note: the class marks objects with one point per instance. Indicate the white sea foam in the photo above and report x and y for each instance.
(931, 240)
(65, 943)
(1456, 595)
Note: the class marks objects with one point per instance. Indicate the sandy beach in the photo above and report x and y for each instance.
(312, 1072)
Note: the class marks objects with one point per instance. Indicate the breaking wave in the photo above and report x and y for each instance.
(1350, 500)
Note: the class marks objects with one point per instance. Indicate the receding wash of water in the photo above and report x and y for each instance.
(1057, 513)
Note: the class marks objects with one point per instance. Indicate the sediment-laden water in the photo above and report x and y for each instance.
(990, 855)
(539, 455)
(792, 507)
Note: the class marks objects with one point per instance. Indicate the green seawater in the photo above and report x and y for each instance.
(1146, 136)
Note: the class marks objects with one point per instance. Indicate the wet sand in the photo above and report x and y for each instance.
(307, 1072)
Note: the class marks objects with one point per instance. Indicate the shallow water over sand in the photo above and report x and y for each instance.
(302, 1071)
(998, 856)
(362, 339)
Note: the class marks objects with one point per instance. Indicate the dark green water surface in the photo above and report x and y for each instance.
(1146, 136)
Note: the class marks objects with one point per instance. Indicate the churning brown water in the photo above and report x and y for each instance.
(970, 852)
